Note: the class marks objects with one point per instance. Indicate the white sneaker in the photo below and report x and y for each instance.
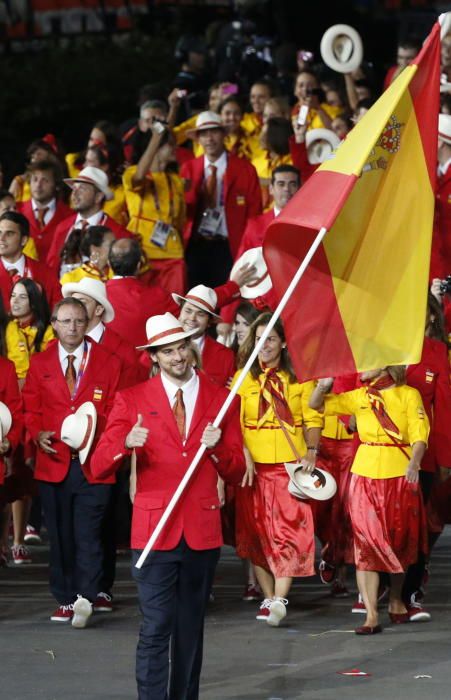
(263, 612)
(277, 611)
(82, 612)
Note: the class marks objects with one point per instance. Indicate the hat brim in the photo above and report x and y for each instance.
(252, 291)
(107, 193)
(308, 484)
(72, 287)
(168, 341)
(88, 409)
(192, 133)
(327, 48)
(178, 300)
(315, 135)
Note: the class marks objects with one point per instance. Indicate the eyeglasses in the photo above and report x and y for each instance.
(66, 322)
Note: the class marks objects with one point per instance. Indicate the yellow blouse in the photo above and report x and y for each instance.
(404, 406)
(145, 210)
(251, 124)
(20, 345)
(85, 270)
(268, 444)
(117, 207)
(314, 118)
(71, 161)
(181, 134)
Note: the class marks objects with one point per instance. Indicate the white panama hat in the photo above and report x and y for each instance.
(319, 485)
(96, 289)
(341, 48)
(319, 144)
(6, 420)
(202, 297)
(444, 128)
(79, 428)
(262, 283)
(93, 176)
(163, 330)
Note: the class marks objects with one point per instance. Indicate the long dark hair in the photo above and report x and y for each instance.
(249, 313)
(436, 328)
(38, 307)
(248, 345)
(79, 242)
(111, 155)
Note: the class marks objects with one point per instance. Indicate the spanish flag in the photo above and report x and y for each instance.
(361, 303)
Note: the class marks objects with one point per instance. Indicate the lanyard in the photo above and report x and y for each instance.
(154, 193)
(81, 371)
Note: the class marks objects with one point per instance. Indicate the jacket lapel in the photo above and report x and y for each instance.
(199, 409)
(55, 368)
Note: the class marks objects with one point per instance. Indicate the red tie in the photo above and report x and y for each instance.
(40, 215)
(70, 374)
(211, 184)
(180, 413)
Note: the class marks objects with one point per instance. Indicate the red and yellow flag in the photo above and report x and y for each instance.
(361, 303)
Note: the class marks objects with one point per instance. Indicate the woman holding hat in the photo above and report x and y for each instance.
(274, 529)
(308, 92)
(91, 248)
(156, 203)
(28, 331)
(385, 502)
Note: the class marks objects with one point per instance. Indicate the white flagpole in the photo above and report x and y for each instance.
(226, 405)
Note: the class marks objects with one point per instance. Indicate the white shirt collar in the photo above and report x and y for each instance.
(190, 391)
(19, 265)
(277, 211)
(78, 352)
(93, 220)
(221, 165)
(200, 342)
(97, 332)
(171, 389)
(51, 208)
(443, 168)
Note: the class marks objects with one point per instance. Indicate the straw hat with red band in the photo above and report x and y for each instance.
(262, 282)
(95, 289)
(319, 144)
(444, 128)
(163, 330)
(202, 297)
(6, 420)
(78, 430)
(204, 121)
(319, 484)
(93, 176)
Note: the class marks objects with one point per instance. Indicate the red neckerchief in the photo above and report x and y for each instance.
(377, 404)
(272, 397)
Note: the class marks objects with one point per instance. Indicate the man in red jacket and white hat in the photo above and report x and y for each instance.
(89, 191)
(222, 193)
(164, 420)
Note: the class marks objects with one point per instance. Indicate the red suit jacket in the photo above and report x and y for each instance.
(133, 303)
(242, 196)
(164, 459)
(64, 228)
(47, 402)
(10, 395)
(43, 237)
(218, 362)
(40, 273)
(131, 372)
(441, 246)
(431, 378)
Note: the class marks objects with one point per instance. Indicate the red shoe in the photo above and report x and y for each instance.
(359, 606)
(399, 618)
(368, 630)
(416, 612)
(63, 613)
(327, 572)
(263, 612)
(251, 592)
(103, 603)
(32, 535)
(338, 590)
(20, 554)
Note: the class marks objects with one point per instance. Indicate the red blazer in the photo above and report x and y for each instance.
(47, 403)
(10, 395)
(43, 237)
(64, 228)
(131, 372)
(163, 460)
(242, 195)
(298, 152)
(218, 362)
(40, 273)
(431, 378)
(133, 303)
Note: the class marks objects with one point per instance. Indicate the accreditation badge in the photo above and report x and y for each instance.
(211, 223)
(160, 234)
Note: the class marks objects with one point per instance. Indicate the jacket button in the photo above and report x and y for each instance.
(72, 408)
(184, 454)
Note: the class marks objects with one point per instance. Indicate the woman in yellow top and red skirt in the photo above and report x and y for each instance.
(385, 501)
(274, 530)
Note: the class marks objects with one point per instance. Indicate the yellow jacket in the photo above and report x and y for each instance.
(85, 270)
(20, 345)
(268, 444)
(404, 406)
(144, 213)
(314, 119)
(181, 134)
(251, 124)
(117, 207)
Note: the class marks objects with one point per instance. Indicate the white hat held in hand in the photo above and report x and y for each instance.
(6, 420)
(78, 429)
(319, 144)
(262, 282)
(319, 485)
(163, 330)
(444, 128)
(341, 48)
(93, 176)
(95, 289)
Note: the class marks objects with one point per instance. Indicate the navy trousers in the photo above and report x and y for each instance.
(74, 511)
(173, 591)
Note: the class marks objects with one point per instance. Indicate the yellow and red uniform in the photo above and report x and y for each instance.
(314, 120)
(20, 345)
(86, 270)
(264, 165)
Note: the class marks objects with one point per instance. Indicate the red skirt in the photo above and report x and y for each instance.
(273, 529)
(332, 521)
(388, 523)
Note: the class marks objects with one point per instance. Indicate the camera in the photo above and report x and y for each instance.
(445, 285)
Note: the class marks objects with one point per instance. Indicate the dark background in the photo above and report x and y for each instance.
(63, 84)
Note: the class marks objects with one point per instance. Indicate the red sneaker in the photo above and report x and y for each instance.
(327, 572)
(103, 603)
(251, 592)
(416, 611)
(20, 554)
(263, 612)
(32, 535)
(338, 590)
(359, 606)
(63, 613)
